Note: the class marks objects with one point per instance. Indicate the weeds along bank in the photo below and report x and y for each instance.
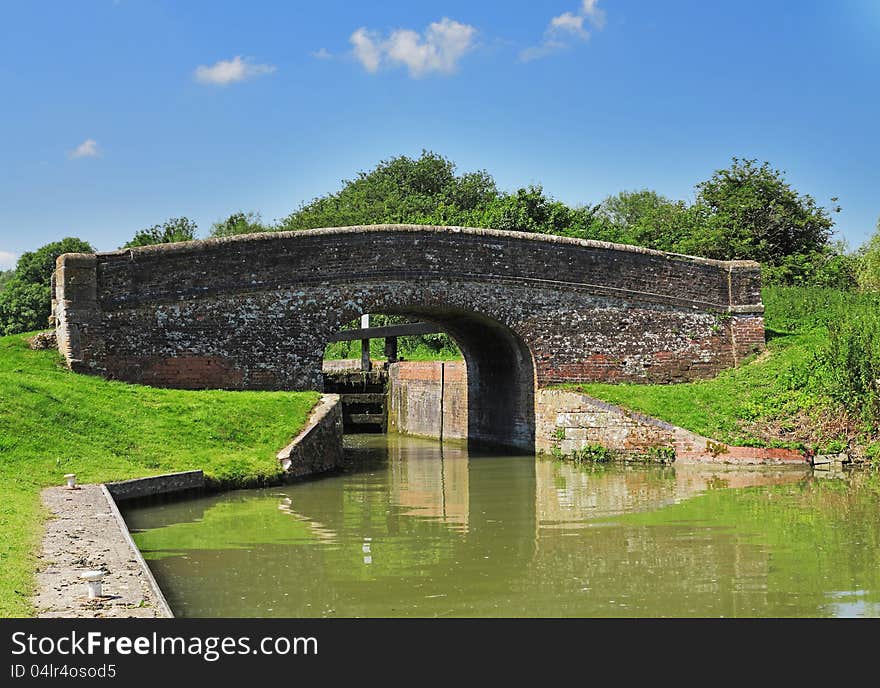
(816, 387)
(54, 422)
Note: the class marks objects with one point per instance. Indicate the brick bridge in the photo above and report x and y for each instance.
(527, 310)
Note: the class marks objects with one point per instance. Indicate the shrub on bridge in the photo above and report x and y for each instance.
(172, 230)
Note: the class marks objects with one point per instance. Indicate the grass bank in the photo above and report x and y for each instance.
(54, 422)
(793, 395)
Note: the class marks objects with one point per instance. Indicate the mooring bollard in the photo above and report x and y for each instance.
(71, 481)
(93, 579)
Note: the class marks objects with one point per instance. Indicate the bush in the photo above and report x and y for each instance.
(801, 309)
(849, 364)
(24, 307)
(239, 223)
(831, 268)
(171, 231)
(868, 268)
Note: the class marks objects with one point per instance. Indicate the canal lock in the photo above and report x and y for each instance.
(364, 398)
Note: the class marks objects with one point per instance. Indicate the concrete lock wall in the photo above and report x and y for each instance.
(428, 399)
(256, 311)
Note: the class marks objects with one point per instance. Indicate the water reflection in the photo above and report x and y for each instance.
(420, 529)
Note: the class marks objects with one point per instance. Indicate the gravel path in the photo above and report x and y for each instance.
(85, 534)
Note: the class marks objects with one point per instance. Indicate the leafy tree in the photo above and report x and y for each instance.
(831, 267)
(5, 276)
(868, 265)
(239, 223)
(427, 190)
(26, 301)
(399, 190)
(746, 211)
(170, 231)
(755, 214)
(645, 218)
(628, 210)
(531, 210)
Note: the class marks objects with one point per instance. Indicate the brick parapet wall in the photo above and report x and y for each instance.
(255, 312)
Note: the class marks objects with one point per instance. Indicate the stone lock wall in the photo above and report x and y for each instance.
(256, 311)
(318, 446)
(568, 422)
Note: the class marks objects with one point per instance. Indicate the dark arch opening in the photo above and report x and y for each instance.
(500, 375)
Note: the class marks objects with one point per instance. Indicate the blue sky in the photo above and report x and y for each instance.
(118, 115)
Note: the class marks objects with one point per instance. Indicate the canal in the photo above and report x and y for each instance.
(415, 528)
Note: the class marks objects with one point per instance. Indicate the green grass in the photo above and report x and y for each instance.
(54, 422)
(775, 399)
(407, 350)
(721, 408)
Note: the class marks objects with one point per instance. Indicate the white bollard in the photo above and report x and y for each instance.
(71, 481)
(93, 579)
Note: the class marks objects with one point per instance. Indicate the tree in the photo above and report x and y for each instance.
(5, 276)
(868, 263)
(644, 218)
(629, 209)
(400, 190)
(172, 230)
(746, 211)
(757, 215)
(26, 301)
(428, 190)
(239, 223)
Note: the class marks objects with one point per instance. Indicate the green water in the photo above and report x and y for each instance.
(413, 529)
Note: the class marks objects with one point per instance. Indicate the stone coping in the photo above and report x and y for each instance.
(205, 244)
(157, 484)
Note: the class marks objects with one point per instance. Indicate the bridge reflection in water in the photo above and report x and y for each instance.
(423, 529)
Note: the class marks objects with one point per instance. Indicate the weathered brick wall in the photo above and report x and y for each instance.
(428, 399)
(255, 312)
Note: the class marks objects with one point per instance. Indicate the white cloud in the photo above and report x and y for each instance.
(596, 15)
(366, 49)
(565, 27)
(571, 23)
(7, 260)
(226, 72)
(438, 49)
(322, 54)
(87, 149)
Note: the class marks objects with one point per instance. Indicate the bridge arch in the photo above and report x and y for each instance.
(256, 311)
(500, 366)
